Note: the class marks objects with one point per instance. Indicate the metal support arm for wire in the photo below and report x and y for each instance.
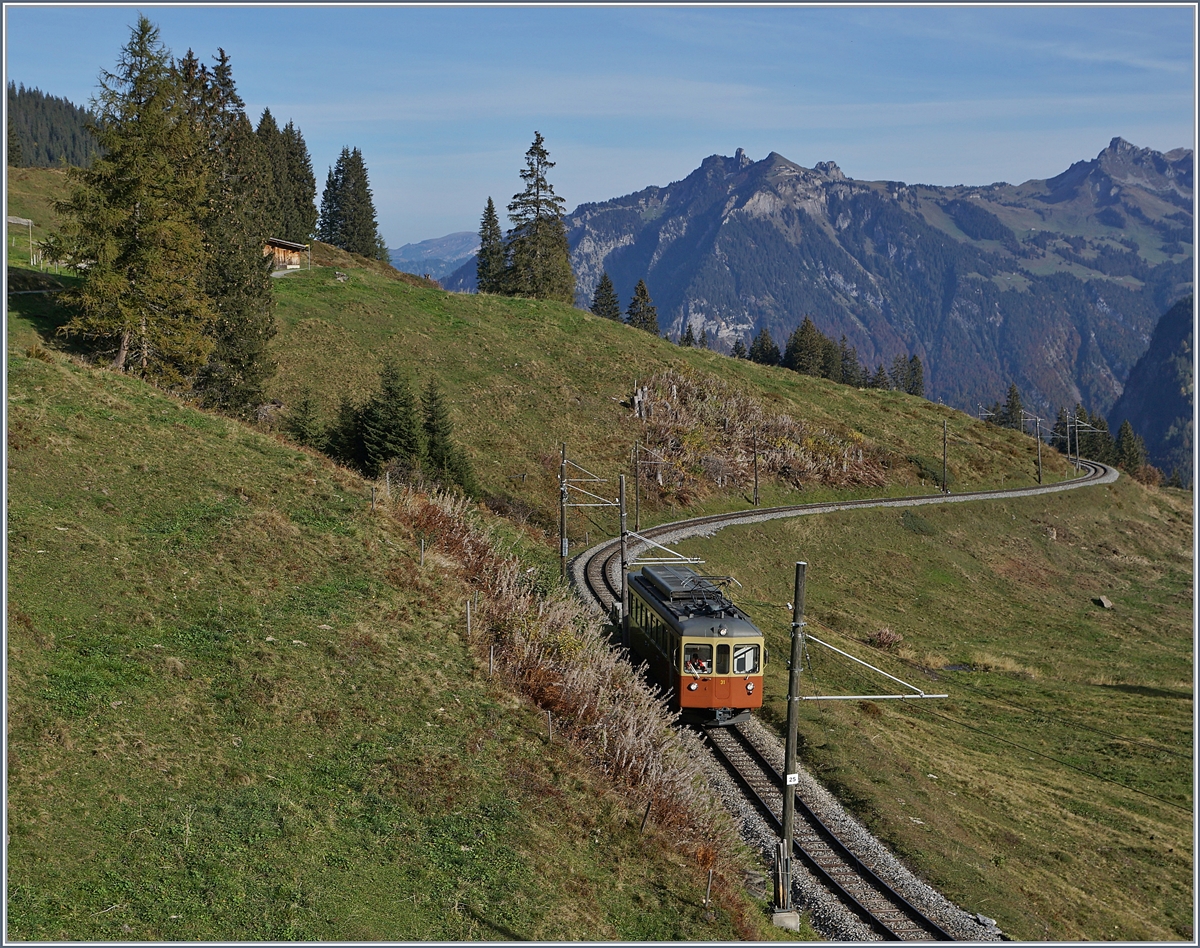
(918, 693)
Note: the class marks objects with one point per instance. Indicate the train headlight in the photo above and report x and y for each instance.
(722, 631)
(693, 686)
(749, 687)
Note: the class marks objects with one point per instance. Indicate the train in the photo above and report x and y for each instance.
(699, 648)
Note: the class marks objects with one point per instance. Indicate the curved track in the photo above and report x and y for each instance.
(826, 856)
(595, 575)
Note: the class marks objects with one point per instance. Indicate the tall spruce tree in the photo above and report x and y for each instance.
(347, 218)
(805, 350)
(300, 190)
(703, 337)
(13, 159)
(763, 349)
(133, 222)
(390, 430)
(880, 378)
(1012, 414)
(688, 339)
(642, 313)
(915, 379)
(1130, 449)
(445, 460)
(237, 278)
(539, 260)
(739, 350)
(273, 167)
(489, 262)
(605, 302)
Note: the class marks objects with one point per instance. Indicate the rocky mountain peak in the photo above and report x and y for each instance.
(830, 170)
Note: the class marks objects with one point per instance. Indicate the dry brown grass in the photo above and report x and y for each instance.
(551, 649)
(705, 431)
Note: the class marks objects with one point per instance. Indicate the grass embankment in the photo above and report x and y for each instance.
(239, 707)
(1053, 789)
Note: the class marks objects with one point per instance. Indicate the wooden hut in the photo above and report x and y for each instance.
(288, 255)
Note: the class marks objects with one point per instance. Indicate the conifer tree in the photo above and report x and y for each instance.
(1011, 415)
(489, 263)
(133, 222)
(14, 144)
(237, 278)
(915, 380)
(344, 437)
(300, 192)
(805, 350)
(539, 260)
(390, 430)
(347, 218)
(273, 167)
(1130, 449)
(704, 337)
(642, 313)
(446, 461)
(739, 350)
(688, 339)
(763, 349)
(880, 378)
(831, 360)
(852, 371)
(605, 302)
(303, 421)
(898, 373)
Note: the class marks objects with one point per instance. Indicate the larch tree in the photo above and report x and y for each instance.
(489, 261)
(605, 302)
(133, 222)
(538, 258)
(642, 313)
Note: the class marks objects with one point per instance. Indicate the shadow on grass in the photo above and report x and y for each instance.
(503, 930)
(1147, 692)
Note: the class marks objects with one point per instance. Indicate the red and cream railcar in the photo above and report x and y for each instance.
(701, 649)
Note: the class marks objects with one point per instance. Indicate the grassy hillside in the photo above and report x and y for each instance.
(240, 707)
(1053, 789)
(187, 767)
(522, 377)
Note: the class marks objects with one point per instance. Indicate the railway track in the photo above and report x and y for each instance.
(595, 575)
(826, 856)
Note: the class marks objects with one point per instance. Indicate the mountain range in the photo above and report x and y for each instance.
(1160, 393)
(1053, 284)
(436, 257)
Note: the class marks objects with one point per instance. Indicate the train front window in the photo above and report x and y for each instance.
(722, 659)
(697, 659)
(745, 659)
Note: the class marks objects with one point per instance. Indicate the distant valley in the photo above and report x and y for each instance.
(437, 257)
(1053, 284)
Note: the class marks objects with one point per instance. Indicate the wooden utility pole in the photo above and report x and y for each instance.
(790, 775)
(562, 515)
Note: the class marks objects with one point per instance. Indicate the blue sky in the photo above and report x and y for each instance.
(444, 100)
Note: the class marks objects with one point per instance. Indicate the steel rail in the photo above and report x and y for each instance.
(591, 572)
(819, 847)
